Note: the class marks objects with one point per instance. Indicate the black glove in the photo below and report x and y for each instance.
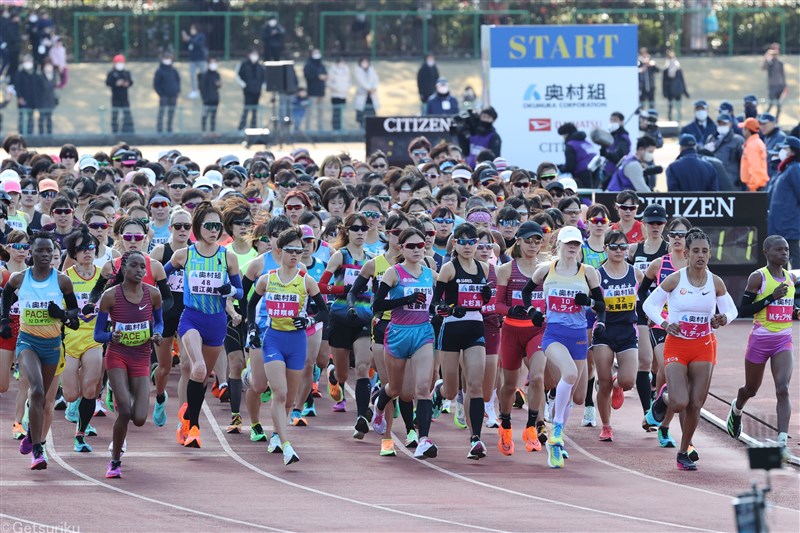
(416, 298)
(55, 311)
(71, 319)
(351, 313)
(583, 299)
(88, 309)
(459, 312)
(599, 328)
(444, 310)
(5, 329)
(536, 317)
(518, 311)
(225, 290)
(254, 337)
(347, 288)
(302, 322)
(486, 293)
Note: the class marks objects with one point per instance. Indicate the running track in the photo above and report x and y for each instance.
(341, 484)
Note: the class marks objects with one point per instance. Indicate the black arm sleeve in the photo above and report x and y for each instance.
(382, 304)
(166, 295)
(438, 295)
(644, 288)
(98, 289)
(527, 293)
(599, 304)
(749, 306)
(252, 304)
(71, 301)
(361, 284)
(247, 284)
(9, 297)
(322, 308)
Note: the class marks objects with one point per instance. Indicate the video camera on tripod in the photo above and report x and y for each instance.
(281, 84)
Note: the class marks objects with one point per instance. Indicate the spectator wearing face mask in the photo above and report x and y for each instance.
(427, 75)
(629, 174)
(316, 75)
(621, 146)
(272, 35)
(209, 83)
(25, 86)
(251, 77)
(442, 102)
(198, 54)
(689, 173)
(727, 147)
(773, 139)
(339, 83)
(701, 128)
(753, 169)
(119, 80)
(46, 101)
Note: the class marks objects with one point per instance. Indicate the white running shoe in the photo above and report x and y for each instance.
(460, 416)
(446, 405)
(274, 445)
(549, 409)
(378, 421)
(99, 408)
(124, 446)
(491, 415)
(588, 417)
(426, 449)
(289, 455)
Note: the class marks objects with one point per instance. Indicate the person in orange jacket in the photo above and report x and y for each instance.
(753, 167)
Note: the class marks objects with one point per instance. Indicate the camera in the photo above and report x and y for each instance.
(464, 123)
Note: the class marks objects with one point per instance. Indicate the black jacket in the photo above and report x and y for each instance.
(313, 69)
(46, 92)
(167, 81)
(254, 75)
(426, 81)
(9, 34)
(27, 87)
(209, 83)
(690, 173)
(119, 95)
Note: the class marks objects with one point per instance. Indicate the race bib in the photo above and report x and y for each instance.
(350, 275)
(204, 282)
(133, 333)
(283, 305)
(620, 299)
(563, 301)
(469, 295)
(537, 299)
(780, 310)
(175, 281)
(427, 291)
(35, 314)
(641, 265)
(694, 326)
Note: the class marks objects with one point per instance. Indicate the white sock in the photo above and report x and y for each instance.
(782, 437)
(736, 410)
(563, 399)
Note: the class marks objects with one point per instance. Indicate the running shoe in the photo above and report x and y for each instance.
(309, 410)
(153, 367)
(38, 460)
(387, 448)
(692, 453)
(274, 445)
(317, 373)
(589, 416)
(564, 453)
(18, 432)
(477, 450)
(664, 438)
(557, 436)
(99, 408)
(215, 390)
(411, 439)
(315, 390)
(110, 398)
(160, 412)
(25, 417)
(340, 407)
(289, 455)
(266, 396)
(257, 433)
(447, 406)
(296, 419)
(25, 445)
(397, 409)
(648, 423)
(379, 422)
(684, 462)
(460, 416)
(549, 408)
(426, 449)
(606, 435)
(235, 425)
(531, 439)
(183, 425)
(734, 422)
(90, 431)
(361, 428)
(617, 394)
(519, 399)
(61, 402)
(334, 389)
(80, 445)
(541, 432)
(491, 415)
(122, 451)
(224, 393)
(659, 407)
(506, 442)
(436, 398)
(114, 470)
(193, 438)
(555, 459)
(71, 412)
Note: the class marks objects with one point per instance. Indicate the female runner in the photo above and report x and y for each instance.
(136, 319)
(690, 351)
(282, 318)
(485, 252)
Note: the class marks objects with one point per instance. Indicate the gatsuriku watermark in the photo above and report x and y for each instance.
(15, 526)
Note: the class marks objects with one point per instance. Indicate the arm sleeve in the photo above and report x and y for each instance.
(527, 293)
(381, 303)
(71, 301)
(158, 321)
(654, 304)
(749, 306)
(166, 294)
(169, 268)
(252, 304)
(438, 295)
(9, 296)
(236, 281)
(325, 287)
(100, 327)
(247, 285)
(359, 286)
(727, 307)
(500, 300)
(599, 305)
(322, 308)
(97, 290)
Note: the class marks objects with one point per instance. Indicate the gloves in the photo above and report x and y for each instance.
(55, 311)
(347, 288)
(486, 293)
(459, 312)
(536, 317)
(5, 329)
(599, 328)
(226, 290)
(351, 313)
(302, 322)
(416, 298)
(444, 310)
(254, 337)
(88, 309)
(583, 299)
(71, 320)
(518, 311)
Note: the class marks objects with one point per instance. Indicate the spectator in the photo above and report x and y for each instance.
(58, 58)
(578, 153)
(776, 79)
(701, 128)
(209, 83)
(647, 79)
(442, 102)
(728, 147)
(366, 102)
(723, 180)
(46, 101)
(272, 35)
(25, 87)
(750, 107)
(316, 75)
(119, 80)
(726, 108)
(44, 29)
(689, 173)
(673, 85)
(753, 169)
(339, 84)
(300, 104)
(773, 139)
(427, 76)
(198, 55)
(469, 100)
(10, 42)
(480, 136)
(784, 199)
(167, 84)
(629, 174)
(621, 146)
(251, 76)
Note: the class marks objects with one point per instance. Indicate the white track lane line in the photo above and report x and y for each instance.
(236, 457)
(51, 451)
(35, 526)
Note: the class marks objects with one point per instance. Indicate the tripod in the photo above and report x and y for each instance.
(281, 120)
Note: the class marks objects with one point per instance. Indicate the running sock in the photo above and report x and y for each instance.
(782, 438)
(195, 394)
(505, 420)
(424, 413)
(362, 396)
(563, 397)
(85, 413)
(476, 411)
(735, 407)
(383, 399)
(161, 398)
(590, 393)
(407, 412)
(532, 416)
(643, 388)
(235, 390)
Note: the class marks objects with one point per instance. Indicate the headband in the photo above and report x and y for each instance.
(461, 173)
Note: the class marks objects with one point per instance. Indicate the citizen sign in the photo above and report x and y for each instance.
(417, 124)
(694, 206)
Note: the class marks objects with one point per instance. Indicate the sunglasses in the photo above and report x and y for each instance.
(466, 242)
(145, 221)
(20, 246)
(572, 212)
(232, 183)
(414, 245)
(444, 220)
(462, 181)
(617, 246)
(379, 166)
(625, 207)
(396, 231)
(522, 184)
(212, 226)
(260, 176)
(191, 205)
(159, 204)
(430, 233)
(431, 176)
(485, 246)
(598, 220)
(242, 222)
(263, 238)
(677, 234)
(548, 177)
(48, 194)
(288, 184)
(307, 240)
(98, 225)
(371, 214)
(523, 213)
(509, 223)
(29, 192)
(557, 194)
(358, 228)
(533, 240)
(89, 170)
(419, 153)
(177, 186)
(348, 175)
(255, 200)
(294, 207)
(405, 189)
(138, 237)
(62, 211)
(294, 250)
(185, 226)
(384, 197)
(91, 247)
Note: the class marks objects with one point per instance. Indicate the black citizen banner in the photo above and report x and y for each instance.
(736, 222)
(392, 135)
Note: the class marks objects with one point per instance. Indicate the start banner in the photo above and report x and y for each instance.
(539, 77)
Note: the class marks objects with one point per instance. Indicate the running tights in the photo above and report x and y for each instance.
(235, 388)
(85, 412)
(362, 396)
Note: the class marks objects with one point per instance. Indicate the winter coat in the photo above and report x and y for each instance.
(689, 173)
(728, 150)
(366, 80)
(578, 153)
(26, 86)
(784, 201)
(700, 132)
(197, 47)
(426, 81)
(119, 95)
(339, 81)
(46, 92)
(167, 81)
(753, 167)
(254, 76)
(209, 83)
(617, 151)
(674, 88)
(313, 69)
(441, 104)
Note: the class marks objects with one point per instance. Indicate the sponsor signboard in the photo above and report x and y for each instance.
(392, 135)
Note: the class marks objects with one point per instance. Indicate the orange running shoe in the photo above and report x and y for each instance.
(315, 390)
(531, 438)
(506, 443)
(617, 394)
(215, 390)
(193, 439)
(183, 425)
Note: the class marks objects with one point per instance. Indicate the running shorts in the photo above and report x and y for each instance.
(48, 350)
(136, 367)
(685, 351)
(492, 336)
(457, 335)
(518, 343)
(212, 328)
(657, 336)
(619, 338)
(576, 341)
(287, 346)
(235, 337)
(344, 335)
(379, 330)
(77, 343)
(761, 348)
(10, 344)
(403, 341)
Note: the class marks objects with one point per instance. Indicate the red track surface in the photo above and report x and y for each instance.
(341, 484)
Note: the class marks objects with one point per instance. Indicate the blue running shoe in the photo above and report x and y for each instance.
(664, 438)
(557, 436)
(71, 413)
(309, 410)
(90, 431)
(80, 445)
(554, 457)
(317, 373)
(160, 412)
(650, 419)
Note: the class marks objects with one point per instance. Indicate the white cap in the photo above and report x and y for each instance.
(151, 176)
(214, 178)
(9, 175)
(202, 181)
(570, 234)
(506, 175)
(569, 183)
(87, 162)
(224, 192)
(461, 173)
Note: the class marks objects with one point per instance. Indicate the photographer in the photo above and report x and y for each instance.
(648, 125)
(630, 173)
(476, 133)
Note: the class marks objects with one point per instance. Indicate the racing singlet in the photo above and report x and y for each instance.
(619, 295)
(517, 282)
(464, 290)
(175, 282)
(34, 297)
(82, 288)
(777, 316)
(591, 256)
(17, 221)
(381, 266)
(161, 235)
(202, 276)
(283, 301)
(407, 284)
(346, 275)
(692, 307)
(132, 320)
(559, 292)
(489, 310)
(642, 260)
